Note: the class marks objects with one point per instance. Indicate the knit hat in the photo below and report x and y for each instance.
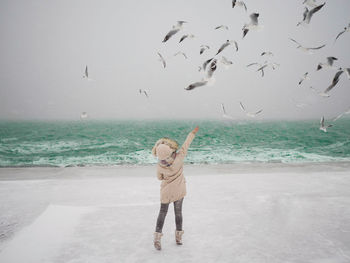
(163, 151)
(164, 147)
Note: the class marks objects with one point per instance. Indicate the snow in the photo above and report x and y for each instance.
(232, 213)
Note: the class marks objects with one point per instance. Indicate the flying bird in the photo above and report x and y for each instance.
(304, 77)
(182, 53)
(222, 26)
(226, 44)
(322, 127)
(174, 30)
(185, 36)
(267, 53)
(203, 48)
(252, 25)
(328, 64)
(239, 3)
(346, 29)
(225, 115)
(86, 74)
(341, 114)
(144, 92)
(249, 114)
(309, 13)
(197, 84)
(306, 49)
(162, 59)
(83, 115)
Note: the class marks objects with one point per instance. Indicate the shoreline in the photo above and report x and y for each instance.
(30, 173)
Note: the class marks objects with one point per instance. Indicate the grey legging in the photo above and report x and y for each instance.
(164, 210)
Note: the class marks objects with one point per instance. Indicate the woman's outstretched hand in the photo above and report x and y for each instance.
(195, 130)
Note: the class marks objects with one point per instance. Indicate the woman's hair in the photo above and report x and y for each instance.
(165, 140)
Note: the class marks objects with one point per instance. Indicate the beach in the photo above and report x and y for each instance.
(247, 212)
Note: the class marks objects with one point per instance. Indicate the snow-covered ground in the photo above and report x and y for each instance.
(232, 213)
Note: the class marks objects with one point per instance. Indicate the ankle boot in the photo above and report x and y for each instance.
(157, 237)
(178, 237)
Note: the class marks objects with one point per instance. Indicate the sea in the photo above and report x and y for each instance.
(109, 143)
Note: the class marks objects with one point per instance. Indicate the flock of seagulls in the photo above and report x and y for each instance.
(209, 66)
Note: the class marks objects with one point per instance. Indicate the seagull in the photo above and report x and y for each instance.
(334, 82)
(346, 29)
(162, 59)
(308, 14)
(227, 43)
(252, 25)
(185, 36)
(239, 3)
(86, 74)
(267, 53)
(174, 30)
(83, 115)
(249, 114)
(212, 68)
(222, 26)
(322, 94)
(310, 3)
(225, 115)
(225, 61)
(203, 48)
(322, 127)
(182, 53)
(197, 84)
(306, 49)
(329, 63)
(341, 114)
(305, 76)
(261, 67)
(144, 92)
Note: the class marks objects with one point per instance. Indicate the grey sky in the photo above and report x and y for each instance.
(45, 46)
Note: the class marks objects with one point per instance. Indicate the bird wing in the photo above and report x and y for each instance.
(245, 32)
(342, 32)
(242, 107)
(196, 84)
(223, 108)
(335, 81)
(317, 47)
(251, 64)
(162, 59)
(322, 121)
(183, 38)
(245, 7)
(330, 60)
(86, 71)
(258, 112)
(233, 3)
(236, 45)
(170, 34)
(295, 41)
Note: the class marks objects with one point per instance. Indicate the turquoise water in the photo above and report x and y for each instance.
(130, 142)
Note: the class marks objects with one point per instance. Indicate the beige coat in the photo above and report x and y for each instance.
(173, 186)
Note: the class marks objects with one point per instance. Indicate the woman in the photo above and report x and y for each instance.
(173, 186)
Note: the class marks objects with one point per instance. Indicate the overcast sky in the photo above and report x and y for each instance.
(45, 46)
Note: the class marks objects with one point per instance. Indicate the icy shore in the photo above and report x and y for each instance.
(232, 213)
